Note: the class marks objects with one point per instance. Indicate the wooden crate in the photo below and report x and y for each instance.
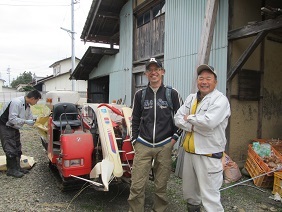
(255, 170)
(277, 185)
(278, 148)
(259, 160)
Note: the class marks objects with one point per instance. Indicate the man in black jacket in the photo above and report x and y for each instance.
(153, 137)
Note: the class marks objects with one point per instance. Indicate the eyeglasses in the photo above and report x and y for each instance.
(153, 69)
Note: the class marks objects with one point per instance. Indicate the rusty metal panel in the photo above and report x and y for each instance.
(183, 26)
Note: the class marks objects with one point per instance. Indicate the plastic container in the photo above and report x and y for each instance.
(275, 143)
(265, 150)
(54, 97)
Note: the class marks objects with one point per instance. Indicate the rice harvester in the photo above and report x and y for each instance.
(87, 143)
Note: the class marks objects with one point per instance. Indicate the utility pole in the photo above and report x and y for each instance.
(9, 73)
(72, 32)
(72, 44)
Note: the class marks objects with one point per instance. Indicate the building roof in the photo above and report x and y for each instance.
(59, 61)
(52, 77)
(90, 60)
(102, 23)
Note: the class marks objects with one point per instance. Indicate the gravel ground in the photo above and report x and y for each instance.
(38, 191)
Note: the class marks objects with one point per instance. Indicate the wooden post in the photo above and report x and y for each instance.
(206, 37)
(207, 32)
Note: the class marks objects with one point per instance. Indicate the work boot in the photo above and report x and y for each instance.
(12, 168)
(19, 166)
(193, 208)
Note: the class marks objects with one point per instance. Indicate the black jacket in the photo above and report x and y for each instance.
(153, 125)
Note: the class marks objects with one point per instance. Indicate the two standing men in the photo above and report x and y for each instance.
(12, 117)
(204, 117)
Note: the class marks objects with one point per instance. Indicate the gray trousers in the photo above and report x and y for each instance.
(10, 140)
(201, 180)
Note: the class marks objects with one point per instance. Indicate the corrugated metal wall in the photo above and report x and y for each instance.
(183, 27)
(119, 66)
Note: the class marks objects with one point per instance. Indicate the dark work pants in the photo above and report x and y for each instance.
(10, 140)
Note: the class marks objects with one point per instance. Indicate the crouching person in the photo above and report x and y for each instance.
(13, 116)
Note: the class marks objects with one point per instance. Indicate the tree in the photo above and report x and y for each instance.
(24, 78)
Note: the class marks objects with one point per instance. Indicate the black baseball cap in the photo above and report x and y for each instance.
(153, 61)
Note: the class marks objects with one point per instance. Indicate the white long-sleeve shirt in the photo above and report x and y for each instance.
(18, 112)
(209, 122)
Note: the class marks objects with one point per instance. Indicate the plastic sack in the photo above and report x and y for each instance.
(231, 171)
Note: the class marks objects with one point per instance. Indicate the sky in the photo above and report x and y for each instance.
(31, 38)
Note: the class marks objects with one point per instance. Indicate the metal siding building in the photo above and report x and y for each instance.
(119, 66)
(183, 25)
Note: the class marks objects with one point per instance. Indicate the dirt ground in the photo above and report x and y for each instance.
(38, 191)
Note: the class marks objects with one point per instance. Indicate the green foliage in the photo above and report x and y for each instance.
(27, 88)
(24, 78)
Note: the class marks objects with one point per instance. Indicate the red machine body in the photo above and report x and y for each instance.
(73, 145)
(76, 154)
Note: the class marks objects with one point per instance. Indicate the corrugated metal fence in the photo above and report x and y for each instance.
(7, 96)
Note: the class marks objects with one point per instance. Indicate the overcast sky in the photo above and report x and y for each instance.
(31, 38)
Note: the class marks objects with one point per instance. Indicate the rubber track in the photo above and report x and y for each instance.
(64, 184)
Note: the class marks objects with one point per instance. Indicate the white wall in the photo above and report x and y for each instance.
(63, 83)
(66, 65)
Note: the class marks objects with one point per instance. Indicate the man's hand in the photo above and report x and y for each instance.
(173, 141)
(29, 122)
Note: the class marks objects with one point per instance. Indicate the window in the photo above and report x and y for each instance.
(146, 17)
(156, 11)
(139, 20)
(141, 80)
(249, 85)
(143, 19)
(59, 69)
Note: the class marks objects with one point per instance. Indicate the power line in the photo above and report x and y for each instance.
(34, 1)
(29, 68)
(35, 5)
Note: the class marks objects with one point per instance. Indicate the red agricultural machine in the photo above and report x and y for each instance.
(90, 143)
